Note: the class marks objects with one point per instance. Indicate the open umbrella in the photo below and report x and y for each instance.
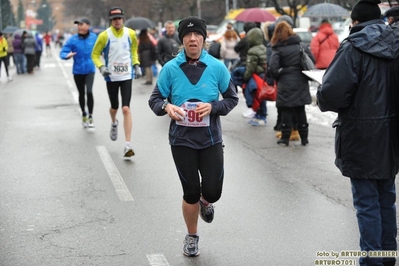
(139, 23)
(326, 10)
(20, 31)
(10, 29)
(255, 15)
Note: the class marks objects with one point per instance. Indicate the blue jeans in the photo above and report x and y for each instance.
(374, 201)
(20, 62)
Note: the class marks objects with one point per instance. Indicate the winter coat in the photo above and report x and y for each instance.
(167, 48)
(83, 46)
(227, 49)
(242, 48)
(17, 44)
(146, 54)
(29, 45)
(39, 43)
(361, 85)
(256, 56)
(324, 45)
(3, 46)
(293, 85)
(10, 50)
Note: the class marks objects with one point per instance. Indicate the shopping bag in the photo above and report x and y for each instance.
(265, 92)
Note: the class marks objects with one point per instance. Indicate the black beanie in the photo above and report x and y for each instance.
(365, 10)
(191, 24)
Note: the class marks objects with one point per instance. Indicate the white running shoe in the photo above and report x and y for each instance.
(114, 131)
(85, 121)
(250, 113)
(128, 152)
(90, 122)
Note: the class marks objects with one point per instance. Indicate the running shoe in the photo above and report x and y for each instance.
(250, 113)
(9, 78)
(258, 122)
(190, 248)
(85, 121)
(90, 122)
(114, 131)
(128, 152)
(206, 212)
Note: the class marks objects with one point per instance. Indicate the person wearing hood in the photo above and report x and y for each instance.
(324, 45)
(392, 16)
(361, 85)
(79, 47)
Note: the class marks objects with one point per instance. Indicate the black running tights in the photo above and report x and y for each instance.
(84, 83)
(193, 164)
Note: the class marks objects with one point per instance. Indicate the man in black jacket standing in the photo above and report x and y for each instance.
(168, 45)
(361, 85)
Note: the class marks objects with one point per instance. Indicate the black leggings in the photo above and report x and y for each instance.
(208, 162)
(126, 92)
(4, 59)
(85, 83)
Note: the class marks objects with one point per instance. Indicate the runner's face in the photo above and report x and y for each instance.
(83, 28)
(193, 43)
(117, 23)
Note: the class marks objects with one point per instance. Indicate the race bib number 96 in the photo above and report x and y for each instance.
(192, 119)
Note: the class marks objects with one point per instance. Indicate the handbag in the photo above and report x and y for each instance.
(264, 92)
(306, 63)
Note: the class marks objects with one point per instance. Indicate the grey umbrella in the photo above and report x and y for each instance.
(10, 29)
(326, 10)
(139, 23)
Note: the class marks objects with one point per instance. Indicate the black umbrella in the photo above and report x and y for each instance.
(139, 23)
(326, 10)
(10, 29)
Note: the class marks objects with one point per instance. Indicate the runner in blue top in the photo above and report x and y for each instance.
(188, 90)
(79, 48)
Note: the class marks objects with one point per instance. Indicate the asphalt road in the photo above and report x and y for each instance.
(67, 197)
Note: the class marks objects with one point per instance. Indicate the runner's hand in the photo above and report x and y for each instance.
(137, 72)
(104, 71)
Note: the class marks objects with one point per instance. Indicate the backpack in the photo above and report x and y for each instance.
(214, 49)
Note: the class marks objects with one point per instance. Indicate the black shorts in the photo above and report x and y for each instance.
(113, 92)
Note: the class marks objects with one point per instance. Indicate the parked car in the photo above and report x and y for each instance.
(305, 35)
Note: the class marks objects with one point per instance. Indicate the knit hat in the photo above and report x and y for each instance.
(365, 10)
(191, 24)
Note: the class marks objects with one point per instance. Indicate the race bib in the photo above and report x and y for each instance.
(120, 68)
(192, 119)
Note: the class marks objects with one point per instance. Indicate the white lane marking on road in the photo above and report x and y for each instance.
(157, 260)
(114, 175)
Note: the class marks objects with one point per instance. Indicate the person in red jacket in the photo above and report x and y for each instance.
(324, 45)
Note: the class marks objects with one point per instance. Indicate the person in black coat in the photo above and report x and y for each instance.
(242, 46)
(293, 87)
(146, 51)
(361, 85)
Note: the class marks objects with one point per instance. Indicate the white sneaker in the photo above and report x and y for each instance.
(85, 121)
(90, 122)
(114, 131)
(250, 113)
(128, 152)
(9, 78)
